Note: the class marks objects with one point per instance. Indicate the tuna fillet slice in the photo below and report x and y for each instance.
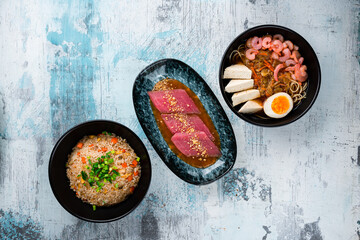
(196, 144)
(173, 101)
(182, 123)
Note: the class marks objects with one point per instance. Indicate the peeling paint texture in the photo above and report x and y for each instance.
(64, 62)
(18, 226)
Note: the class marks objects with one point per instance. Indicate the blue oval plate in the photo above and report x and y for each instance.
(172, 68)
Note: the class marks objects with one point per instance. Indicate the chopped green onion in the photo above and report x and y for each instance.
(101, 172)
(138, 159)
(94, 208)
(84, 175)
(117, 185)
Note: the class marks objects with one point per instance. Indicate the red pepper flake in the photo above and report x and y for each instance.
(124, 165)
(83, 160)
(130, 178)
(132, 189)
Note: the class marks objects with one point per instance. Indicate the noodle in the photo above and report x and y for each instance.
(297, 92)
(238, 53)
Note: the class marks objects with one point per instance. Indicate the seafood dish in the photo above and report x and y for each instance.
(184, 123)
(267, 76)
(103, 170)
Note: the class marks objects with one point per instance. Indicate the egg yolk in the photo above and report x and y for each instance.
(280, 105)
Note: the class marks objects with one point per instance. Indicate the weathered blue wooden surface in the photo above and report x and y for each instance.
(64, 62)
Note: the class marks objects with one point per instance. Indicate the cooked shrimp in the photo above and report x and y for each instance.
(251, 53)
(276, 46)
(286, 55)
(276, 71)
(256, 43)
(248, 42)
(288, 69)
(275, 56)
(300, 72)
(290, 62)
(278, 37)
(301, 60)
(295, 55)
(288, 44)
(266, 42)
(296, 47)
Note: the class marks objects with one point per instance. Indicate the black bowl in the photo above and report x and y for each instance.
(60, 183)
(310, 60)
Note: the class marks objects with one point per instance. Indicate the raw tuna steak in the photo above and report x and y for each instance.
(173, 101)
(182, 123)
(196, 144)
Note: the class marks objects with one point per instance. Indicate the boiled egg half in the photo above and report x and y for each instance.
(278, 105)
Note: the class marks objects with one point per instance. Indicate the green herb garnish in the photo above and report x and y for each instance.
(84, 175)
(94, 208)
(138, 159)
(101, 171)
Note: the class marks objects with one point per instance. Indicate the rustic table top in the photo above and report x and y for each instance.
(63, 63)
